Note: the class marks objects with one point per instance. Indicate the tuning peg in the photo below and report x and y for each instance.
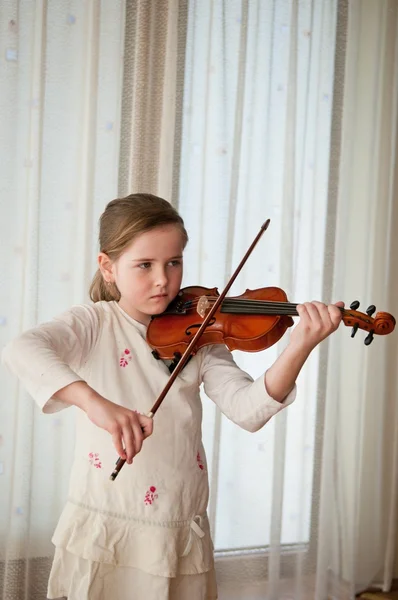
(354, 305)
(369, 338)
(354, 330)
(370, 310)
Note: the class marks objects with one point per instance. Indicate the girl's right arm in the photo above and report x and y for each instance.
(127, 428)
(46, 359)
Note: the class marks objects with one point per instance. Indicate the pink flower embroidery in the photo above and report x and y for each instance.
(200, 462)
(94, 460)
(125, 358)
(150, 496)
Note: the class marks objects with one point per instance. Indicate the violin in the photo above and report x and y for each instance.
(253, 321)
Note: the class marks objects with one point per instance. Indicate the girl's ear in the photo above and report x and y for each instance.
(106, 267)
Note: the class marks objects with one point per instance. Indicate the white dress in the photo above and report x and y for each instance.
(146, 534)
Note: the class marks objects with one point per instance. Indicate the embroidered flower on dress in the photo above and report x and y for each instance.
(200, 462)
(151, 496)
(94, 460)
(125, 358)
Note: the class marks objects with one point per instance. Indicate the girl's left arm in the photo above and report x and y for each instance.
(317, 321)
(250, 404)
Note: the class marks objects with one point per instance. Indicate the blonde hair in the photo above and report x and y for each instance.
(121, 222)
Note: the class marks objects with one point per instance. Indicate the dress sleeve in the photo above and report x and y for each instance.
(241, 399)
(48, 357)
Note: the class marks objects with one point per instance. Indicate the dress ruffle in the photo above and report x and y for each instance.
(75, 578)
(167, 549)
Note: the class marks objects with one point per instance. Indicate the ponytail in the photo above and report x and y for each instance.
(100, 290)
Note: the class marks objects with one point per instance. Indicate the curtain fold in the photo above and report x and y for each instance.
(60, 79)
(153, 75)
(358, 490)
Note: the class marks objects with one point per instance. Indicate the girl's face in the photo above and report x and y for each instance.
(149, 272)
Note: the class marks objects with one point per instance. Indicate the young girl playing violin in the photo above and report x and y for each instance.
(146, 534)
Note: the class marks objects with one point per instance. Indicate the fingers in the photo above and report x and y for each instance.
(325, 313)
(129, 434)
(146, 424)
(317, 322)
(318, 315)
(138, 435)
(335, 314)
(117, 442)
(127, 427)
(314, 313)
(129, 442)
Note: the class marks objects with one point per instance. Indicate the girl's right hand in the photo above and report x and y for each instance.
(127, 427)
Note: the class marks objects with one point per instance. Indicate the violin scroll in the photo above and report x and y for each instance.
(382, 324)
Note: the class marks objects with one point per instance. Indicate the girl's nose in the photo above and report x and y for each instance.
(161, 278)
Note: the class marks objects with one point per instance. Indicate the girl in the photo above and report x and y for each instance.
(145, 535)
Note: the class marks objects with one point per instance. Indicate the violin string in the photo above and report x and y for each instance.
(238, 302)
(253, 306)
(260, 309)
(241, 302)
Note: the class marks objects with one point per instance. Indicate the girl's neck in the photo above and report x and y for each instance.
(134, 313)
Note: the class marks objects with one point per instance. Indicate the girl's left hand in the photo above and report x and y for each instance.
(317, 321)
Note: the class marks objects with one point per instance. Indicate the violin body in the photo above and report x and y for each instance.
(171, 332)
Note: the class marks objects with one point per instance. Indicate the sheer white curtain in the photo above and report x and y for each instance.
(256, 144)
(290, 113)
(237, 111)
(88, 96)
(358, 493)
(61, 80)
(256, 126)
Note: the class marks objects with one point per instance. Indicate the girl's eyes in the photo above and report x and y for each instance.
(147, 265)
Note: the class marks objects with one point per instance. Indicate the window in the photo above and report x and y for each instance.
(255, 145)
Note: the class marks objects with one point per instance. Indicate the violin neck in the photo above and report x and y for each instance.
(259, 307)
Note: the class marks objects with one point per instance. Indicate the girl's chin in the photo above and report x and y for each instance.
(158, 305)
(157, 310)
